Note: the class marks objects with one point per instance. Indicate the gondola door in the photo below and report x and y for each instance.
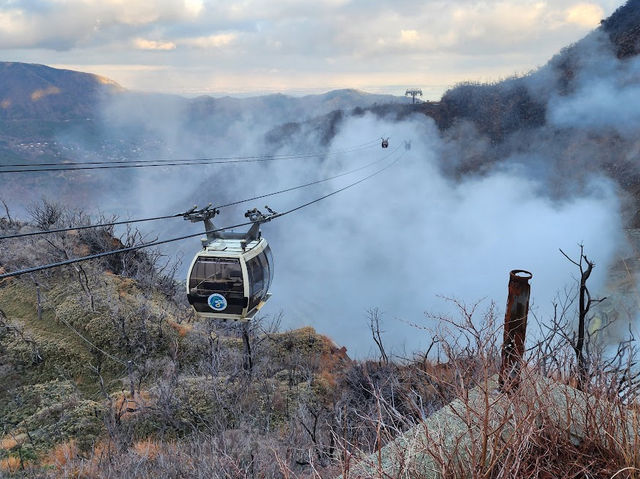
(216, 287)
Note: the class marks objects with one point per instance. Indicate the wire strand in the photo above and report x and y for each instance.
(110, 356)
(193, 235)
(107, 165)
(341, 189)
(162, 160)
(86, 227)
(178, 215)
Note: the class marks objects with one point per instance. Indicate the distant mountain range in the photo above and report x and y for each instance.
(41, 93)
(49, 114)
(30, 91)
(38, 92)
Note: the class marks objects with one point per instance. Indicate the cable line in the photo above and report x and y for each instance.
(178, 215)
(339, 190)
(161, 160)
(117, 251)
(107, 165)
(114, 358)
(180, 238)
(86, 227)
(316, 182)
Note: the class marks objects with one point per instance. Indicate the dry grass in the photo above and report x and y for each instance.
(182, 329)
(147, 449)
(62, 454)
(369, 419)
(545, 429)
(8, 443)
(10, 464)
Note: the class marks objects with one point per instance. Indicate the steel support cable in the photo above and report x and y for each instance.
(367, 144)
(151, 165)
(193, 235)
(305, 185)
(86, 227)
(278, 215)
(105, 165)
(178, 215)
(110, 356)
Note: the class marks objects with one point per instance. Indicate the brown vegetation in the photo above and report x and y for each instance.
(117, 380)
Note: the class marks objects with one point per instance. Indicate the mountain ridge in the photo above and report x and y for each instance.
(31, 91)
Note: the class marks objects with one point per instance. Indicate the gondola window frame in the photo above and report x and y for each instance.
(235, 294)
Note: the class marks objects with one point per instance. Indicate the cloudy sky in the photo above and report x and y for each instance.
(295, 46)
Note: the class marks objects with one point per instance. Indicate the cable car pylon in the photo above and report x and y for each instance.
(231, 276)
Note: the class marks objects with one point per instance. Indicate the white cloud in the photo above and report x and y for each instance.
(143, 44)
(211, 41)
(194, 7)
(409, 36)
(68, 24)
(497, 17)
(606, 97)
(14, 28)
(135, 12)
(585, 15)
(427, 41)
(12, 21)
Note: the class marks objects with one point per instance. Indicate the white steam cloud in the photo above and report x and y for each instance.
(423, 228)
(408, 235)
(606, 96)
(398, 240)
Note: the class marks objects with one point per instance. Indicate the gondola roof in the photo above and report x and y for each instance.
(231, 246)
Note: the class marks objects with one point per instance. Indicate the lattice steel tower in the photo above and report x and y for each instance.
(415, 92)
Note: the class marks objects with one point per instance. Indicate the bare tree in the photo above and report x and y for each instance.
(584, 306)
(8, 327)
(375, 319)
(247, 356)
(46, 213)
(10, 221)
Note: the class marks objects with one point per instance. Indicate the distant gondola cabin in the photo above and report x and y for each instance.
(229, 281)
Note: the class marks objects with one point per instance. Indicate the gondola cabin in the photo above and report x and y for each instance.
(230, 279)
(231, 276)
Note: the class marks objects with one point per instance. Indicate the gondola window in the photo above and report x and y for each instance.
(217, 275)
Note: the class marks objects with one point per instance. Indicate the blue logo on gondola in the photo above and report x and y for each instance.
(217, 302)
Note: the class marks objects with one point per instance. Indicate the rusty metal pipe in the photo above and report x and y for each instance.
(515, 329)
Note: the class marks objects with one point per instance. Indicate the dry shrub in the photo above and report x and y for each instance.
(328, 378)
(147, 449)
(81, 250)
(236, 455)
(182, 329)
(128, 406)
(62, 454)
(10, 464)
(544, 429)
(8, 443)
(126, 286)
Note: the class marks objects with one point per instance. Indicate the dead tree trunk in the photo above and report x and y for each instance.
(374, 326)
(584, 305)
(38, 298)
(247, 358)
